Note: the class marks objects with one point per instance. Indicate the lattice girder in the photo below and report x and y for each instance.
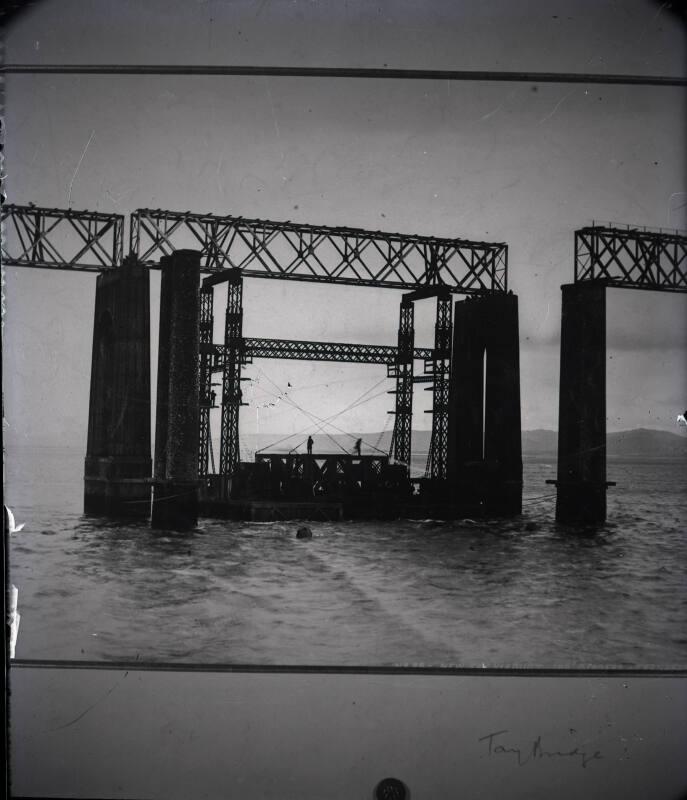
(301, 350)
(631, 258)
(262, 248)
(55, 238)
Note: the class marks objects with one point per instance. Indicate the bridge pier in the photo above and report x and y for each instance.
(484, 449)
(581, 478)
(118, 464)
(175, 492)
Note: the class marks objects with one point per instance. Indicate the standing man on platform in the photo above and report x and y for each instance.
(357, 447)
(310, 444)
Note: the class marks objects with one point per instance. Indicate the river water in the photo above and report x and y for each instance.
(468, 593)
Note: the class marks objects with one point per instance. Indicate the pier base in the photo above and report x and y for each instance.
(581, 479)
(485, 450)
(175, 505)
(175, 492)
(118, 464)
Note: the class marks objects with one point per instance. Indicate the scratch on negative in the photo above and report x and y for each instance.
(557, 106)
(274, 117)
(71, 183)
(509, 97)
(83, 713)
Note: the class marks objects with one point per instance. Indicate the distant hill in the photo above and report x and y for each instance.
(639, 443)
(647, 444)
(540, 442)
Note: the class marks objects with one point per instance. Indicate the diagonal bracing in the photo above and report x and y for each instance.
(55, 238)
(265, 249)
(631, 258)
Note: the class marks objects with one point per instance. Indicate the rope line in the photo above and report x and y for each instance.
(536, 499)
(320, 422)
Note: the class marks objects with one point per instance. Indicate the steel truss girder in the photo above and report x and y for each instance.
(437, 457)
(205, 383)
(632, 259)
(401, 439)
(56, 238)
(229, 456)
(317, 351)
(265, 249)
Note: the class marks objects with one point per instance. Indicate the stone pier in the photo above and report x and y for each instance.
(581, 479)
(175, 493)
(485, 450)
(118, 465)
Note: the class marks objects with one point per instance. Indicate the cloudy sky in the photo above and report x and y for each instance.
(519, 163)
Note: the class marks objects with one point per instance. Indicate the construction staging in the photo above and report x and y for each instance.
(474, 464)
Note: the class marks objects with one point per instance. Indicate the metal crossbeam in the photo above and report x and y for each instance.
(631, 258)
(55, 238)
(317, 351)
(264, 249)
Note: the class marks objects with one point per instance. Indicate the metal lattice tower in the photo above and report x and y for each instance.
(401, 440)
(231, 375)
(441, 370)
(205, 369)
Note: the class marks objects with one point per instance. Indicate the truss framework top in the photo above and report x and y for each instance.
(631, 258)
(296, 251)
(58, 238)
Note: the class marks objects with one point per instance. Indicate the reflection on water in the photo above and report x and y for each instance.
(473, 592)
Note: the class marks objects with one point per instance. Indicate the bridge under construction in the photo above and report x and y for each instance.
(474, 464)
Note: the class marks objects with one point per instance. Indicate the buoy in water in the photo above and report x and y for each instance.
(304, 532)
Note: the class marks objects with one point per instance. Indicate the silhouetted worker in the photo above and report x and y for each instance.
(310, 444)
(358, 445)
(213, 397)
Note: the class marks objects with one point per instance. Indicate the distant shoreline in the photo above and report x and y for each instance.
(634, 446)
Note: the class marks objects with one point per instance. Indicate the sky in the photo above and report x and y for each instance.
(520, 163)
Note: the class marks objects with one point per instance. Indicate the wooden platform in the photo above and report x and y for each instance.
(271, 510)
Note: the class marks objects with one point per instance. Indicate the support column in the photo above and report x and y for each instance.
(581, 480)
(465, 446)
(441, 369)
(163, 349)
(205, 377)
(502, 428)
(231, 381)
(118, 464)
(175, 497)
(401, 444)
(485, 451)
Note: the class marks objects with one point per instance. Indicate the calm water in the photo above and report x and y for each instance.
(404, 593)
